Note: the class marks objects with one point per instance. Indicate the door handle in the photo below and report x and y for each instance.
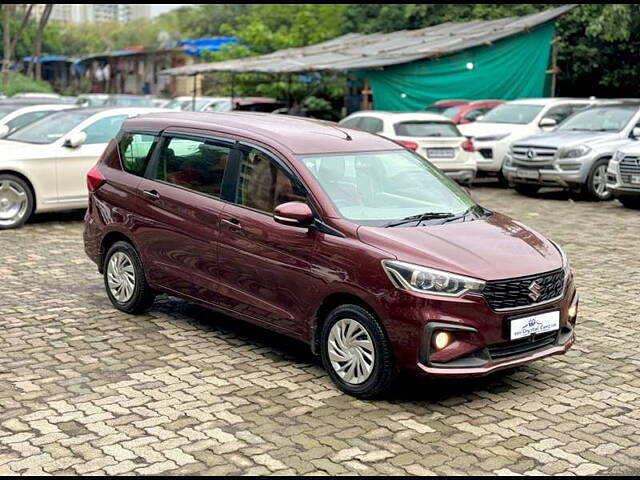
(151, 194)
(233, 224)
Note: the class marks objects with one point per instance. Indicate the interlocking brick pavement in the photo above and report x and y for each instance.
(85, 389)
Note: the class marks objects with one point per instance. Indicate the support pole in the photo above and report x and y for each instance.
(195, 88)
(232, 92)
(289, 92)
(554, 70)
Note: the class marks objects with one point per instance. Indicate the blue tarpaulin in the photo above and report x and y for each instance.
(199, 45)
(47, 58)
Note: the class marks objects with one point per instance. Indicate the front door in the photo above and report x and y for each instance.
(266, 268)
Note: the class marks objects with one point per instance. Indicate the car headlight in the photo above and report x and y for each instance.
(406, 276)
(566, 265)
(575, 152)
(492, 138)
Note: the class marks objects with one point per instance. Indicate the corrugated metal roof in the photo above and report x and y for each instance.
(357, 51)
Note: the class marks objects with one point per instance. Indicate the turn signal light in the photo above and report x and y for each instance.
(410, 145)
(441, 340)
(94, 179)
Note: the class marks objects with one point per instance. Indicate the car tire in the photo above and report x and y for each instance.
(364, 369)
(502, 180)
(630, 202)
(596, 186)
(16, 201)
(125, 281)
(526, 190)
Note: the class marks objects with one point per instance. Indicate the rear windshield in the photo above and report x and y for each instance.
(518, 114)
(426, 129)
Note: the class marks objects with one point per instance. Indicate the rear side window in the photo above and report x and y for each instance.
(351, 122)
(262, 184)
(426, 129)
(197, 165)
(371, 124)
(135, 152)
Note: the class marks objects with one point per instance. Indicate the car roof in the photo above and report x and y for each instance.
(547, 101)
(298, 135)
(402, 116)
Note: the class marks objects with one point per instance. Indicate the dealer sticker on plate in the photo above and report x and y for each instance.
(535, 325)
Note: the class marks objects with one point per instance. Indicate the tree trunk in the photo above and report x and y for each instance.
(7, 11)
(37, 44)
(23, 24)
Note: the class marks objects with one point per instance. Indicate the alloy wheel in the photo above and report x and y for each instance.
(600, 181)
(14, 202)
(121, 277)
(351, 351)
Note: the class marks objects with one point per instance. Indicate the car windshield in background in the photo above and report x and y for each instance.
(7, 109)
(601, 119)
(129, 102)
(91, 101)
(516, 114)
(426, 129)
(452, 111)
(379, 188)
(50, 128)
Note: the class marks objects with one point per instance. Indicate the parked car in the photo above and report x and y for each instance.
(246, 104)
(43, 167)
(470, 112)
(331, 235)
(189, 104)
(38, 95)
(17, 115)
(442, 106)
(114, 100)
(432, 136)
(511, 121)
(576, 154)
(623, 174)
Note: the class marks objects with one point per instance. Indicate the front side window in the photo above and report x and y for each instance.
(135, 152)
(378, 188)
(426, 129)
(600, 119)
(103, 130)
(559, 113)
(50, 128)
(197, 165)
(475, 113)
(262, 185)
(518, 114)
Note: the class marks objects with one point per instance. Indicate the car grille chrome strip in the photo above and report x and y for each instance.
(533, 154)
(629, 166)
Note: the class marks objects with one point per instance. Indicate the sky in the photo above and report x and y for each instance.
(160, 8)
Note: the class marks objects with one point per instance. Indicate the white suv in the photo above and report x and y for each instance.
(434, 137)
(494, 133)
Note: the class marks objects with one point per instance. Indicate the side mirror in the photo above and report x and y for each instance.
(4, 131)
(635, 133)
(294, 214)
(548, 123)
(75, 140)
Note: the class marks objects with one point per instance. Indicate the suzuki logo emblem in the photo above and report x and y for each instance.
(531, 154)
(536, 291)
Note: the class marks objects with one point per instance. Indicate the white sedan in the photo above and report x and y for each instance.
(14, 116)
(43, 167)
(434, 137)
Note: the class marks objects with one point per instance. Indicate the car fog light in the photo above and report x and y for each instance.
(442, 340)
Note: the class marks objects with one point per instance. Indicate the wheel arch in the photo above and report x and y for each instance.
(108, 240)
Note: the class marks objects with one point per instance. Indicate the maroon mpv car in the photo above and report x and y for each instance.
(336, 237)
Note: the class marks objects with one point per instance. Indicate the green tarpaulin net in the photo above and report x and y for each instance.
(511, 68)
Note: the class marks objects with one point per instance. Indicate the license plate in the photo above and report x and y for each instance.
(440, 153)
(635, 179)
(535, 325)
(530, 174)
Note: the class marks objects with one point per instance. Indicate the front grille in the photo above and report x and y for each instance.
(515, 293)
(486, 153)
(530, 154)
(522, 346)
(629, 166)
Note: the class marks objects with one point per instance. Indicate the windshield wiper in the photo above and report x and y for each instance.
(421, 218)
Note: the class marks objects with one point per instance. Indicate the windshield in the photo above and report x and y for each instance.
(7, 109)
(92, 101)
(50, 128)
(378, 188)
(426, 129)
(602, 119)
(129, 102)
(512, 113)
(452, 111)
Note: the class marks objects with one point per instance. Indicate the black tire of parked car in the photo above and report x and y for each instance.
(384, 373)
(630, 202)
(143, 296)
(30, 200)
(589, 189)
(527, 190)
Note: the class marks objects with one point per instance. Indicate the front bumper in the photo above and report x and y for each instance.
(559, 174)
(481, 336)
(616, 187)
(492, 155)
(461, 175)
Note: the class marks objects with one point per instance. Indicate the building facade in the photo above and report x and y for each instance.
(96, 12)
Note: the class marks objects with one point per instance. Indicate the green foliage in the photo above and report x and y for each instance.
(18, 83)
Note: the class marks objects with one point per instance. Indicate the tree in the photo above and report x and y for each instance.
(37, 43)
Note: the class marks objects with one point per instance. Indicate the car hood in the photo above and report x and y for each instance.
(492, 248)
(481, 129)
(569, 139)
